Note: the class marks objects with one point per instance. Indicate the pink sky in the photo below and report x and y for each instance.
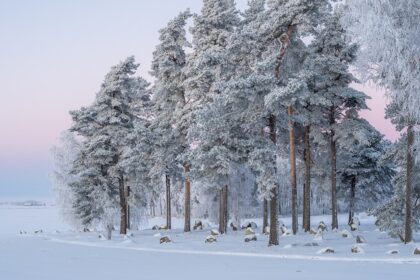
(54, 55)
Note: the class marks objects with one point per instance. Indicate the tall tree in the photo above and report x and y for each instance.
(205, 66)
(169, 60)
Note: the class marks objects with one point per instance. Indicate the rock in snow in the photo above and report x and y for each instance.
(250, 237)
(211, 239)
(234, 226)
(214, 232)
(249, 225)
(249, 231)
(346, 234)
(165, 239)
(354, 224)
(357, 250)
(360, 239)
(416, 251)
(393, 252)
(327, 250)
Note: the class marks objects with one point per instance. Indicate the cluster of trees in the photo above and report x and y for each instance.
(255, 116)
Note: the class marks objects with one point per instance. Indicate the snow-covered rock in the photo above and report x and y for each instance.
(249, 231)
(198, 225)
(267, 230)
(165, 239)
(283, 229)
(249, 225)
(234, 226)
(250, 237)
(357, 250)
(214, 232)
(346, 234)
(393, 252)
(360, 239)
(211, 239)
(416, 251)
(327, 250)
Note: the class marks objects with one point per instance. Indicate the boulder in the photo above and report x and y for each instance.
(249, 225)
(416, 251)
(155, 227)
(214, 232)
(211, 239)
(234, 226)
(357, 250)
(250, 237)
(393, 252)
(165, 239)
(163, 228)
(322, 226)
(360, 239)
(249, 231)
(327, 250)
(267, 230)
(346, 234)
(198, 225)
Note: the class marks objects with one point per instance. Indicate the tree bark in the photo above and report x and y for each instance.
(293, 181)
(265, 215)
(333, 154)
(223, 210)
(127, 195)
(307, 185)
(408, 231)
(168, 202)
(273, 238)
(187, 205)
(123, 207)
(352, 198)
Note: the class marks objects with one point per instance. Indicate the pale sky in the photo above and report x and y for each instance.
(53, 57)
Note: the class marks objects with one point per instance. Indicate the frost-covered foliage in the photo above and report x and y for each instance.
(390, 216)
(361, 151)
(63, 159)
(105, 128)
(230, 105)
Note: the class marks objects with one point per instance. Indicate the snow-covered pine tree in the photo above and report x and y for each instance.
(104, 127)
(360, 167)
(391, 216)
(205, 65)
(389, 35)
(169, 60)
(333, 55)
(284, 21)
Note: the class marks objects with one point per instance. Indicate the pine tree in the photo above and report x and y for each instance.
(104, 127)
(169, 60)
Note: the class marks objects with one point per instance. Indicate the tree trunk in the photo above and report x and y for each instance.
(123, 207)
(274, 238)
(293, 181)
(408, 231)
(352, 198)
(333, 154)
(223, 210)
(307, 185)
(265, 215)
(225, 207)
(168, 202)
(187, 206)
(127, 195)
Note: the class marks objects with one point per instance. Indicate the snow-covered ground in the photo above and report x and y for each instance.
(59, 253)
